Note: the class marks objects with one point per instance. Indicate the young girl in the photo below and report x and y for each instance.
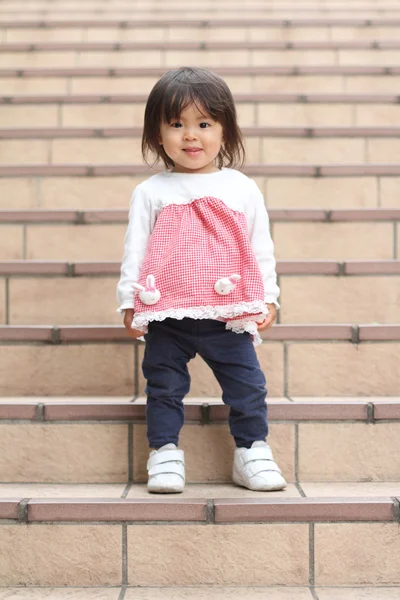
(198, 275)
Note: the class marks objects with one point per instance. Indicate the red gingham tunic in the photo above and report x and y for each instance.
(192, 246)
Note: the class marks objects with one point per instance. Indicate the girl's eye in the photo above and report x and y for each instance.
(176, 125)
(204, 125)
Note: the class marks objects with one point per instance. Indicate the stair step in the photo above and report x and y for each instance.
(204, 593)
(57, 440)
(86, 292)
(300, 360)
(260, 148)
(94, 541)
(85, 192)
(274, 80)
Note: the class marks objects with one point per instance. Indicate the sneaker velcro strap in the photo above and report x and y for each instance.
(257, 454)
(166, 456)
(258, 466)
(170, 468)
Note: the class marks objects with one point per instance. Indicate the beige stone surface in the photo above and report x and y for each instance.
(119, 34)
(54, 554)
(89, 370)
(34, 85)
(360, 84)
(299, 84)
(328, 299)
(348, 452)
(203, 382)
(390, 192)
(343, 369)
(64, 453)
(218, 593)
(17, 194)
(209, 59)
(87, 193)
(357, 554)
(122, 59)
(112, 85)
(362, 33)
(246, 114)
(209, 452)
(253, 148)
(363, 489)
(374, 115)
(2, 301)
(11, 242)
(59, 593)
(261, 58)
(21, 152)
(312, 151)
(336, 241)
(306, 115)
(326, 193)
(75, 243)
(356, 593)
(258, 555)
(61, 490)
(381, 57)
(212, 490)
(35, 34)
(383, 150)
(28, 116)
(96, 151)
(30, 60)
(288, 34)
(79, 301)
(102, 115)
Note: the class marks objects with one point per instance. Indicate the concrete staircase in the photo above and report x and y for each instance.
(316, 85)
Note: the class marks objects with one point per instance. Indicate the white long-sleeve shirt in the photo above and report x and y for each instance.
(232, 187)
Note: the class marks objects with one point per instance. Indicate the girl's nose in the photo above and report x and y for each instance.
(189, 134)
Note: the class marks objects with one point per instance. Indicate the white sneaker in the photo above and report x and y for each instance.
(254, 468)
(166, 469)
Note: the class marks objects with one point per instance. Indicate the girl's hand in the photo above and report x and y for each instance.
(135, 333)
(270, 319)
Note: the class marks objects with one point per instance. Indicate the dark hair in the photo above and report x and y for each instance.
(177, 89)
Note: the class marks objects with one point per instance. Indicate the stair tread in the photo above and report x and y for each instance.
(93, 492)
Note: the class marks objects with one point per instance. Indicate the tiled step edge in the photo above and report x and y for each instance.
(283, 267)
(197, 45)
(222, 510)
(114, 333)
(224, 71)
(89, 217)
(271, 98)
(142, 23)
(261, 170)
(132, 132)
(203, 411)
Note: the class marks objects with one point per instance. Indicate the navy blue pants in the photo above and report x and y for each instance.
(170, 344)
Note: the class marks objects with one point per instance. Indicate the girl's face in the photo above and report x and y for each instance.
(193, 141)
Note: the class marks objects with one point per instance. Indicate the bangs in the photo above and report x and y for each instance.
(179, 95)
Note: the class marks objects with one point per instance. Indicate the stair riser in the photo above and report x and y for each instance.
(250, 114)
(301, 368)
(114, 192)
(333, 241)
(209, 59)
(104, 453)
(239, 84)
(259, 554)
(200, 34)
(305, 299)
(259, 150)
